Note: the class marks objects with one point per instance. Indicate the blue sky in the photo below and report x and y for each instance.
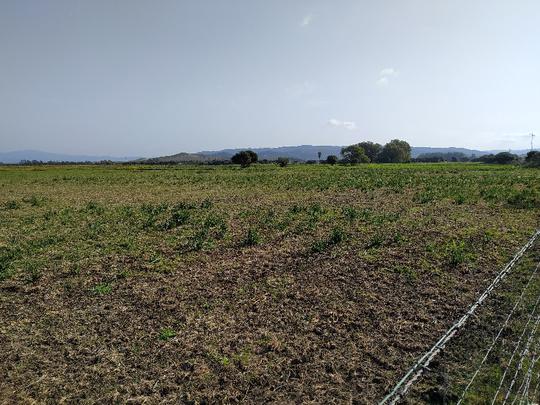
(158, 77)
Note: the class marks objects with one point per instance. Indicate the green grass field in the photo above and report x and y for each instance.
(221, 284)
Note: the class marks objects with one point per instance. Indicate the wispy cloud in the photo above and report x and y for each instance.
(349, 125)
(386, 75)
(306, 20)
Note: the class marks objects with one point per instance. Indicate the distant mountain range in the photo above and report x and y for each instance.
(298, 153)
(17, 156)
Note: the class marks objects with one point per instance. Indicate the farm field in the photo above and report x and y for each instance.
(308, 283)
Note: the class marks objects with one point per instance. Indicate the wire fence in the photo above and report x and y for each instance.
(418, 368)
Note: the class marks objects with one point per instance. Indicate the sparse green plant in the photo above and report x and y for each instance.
(457, 252)
(34, 200)
(177, 218)
(206, 203)
(167, 334)
(527, 198)
(12, 205)
(351, 213)
(32, 270)
(376, 241)
(94, 207)
(459, 199)
(252, 238)
(102, 289)
(336, 236)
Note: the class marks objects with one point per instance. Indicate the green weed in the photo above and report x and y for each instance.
(166, 334)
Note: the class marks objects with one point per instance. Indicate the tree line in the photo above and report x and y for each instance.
(395, 151)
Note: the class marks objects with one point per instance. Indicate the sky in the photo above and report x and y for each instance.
(155, 77)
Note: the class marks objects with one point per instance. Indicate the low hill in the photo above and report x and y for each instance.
(302, 152)
(16, 156)
(186, 158)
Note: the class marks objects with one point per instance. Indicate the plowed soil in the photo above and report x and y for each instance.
(202, 285)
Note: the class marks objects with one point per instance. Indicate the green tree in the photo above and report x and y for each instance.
(395, 151)
(533, 158)
(282, 161)
(245, 158)
(371, 149)
(504, 158)
(331, 159)
(254, 157)
(354, 154)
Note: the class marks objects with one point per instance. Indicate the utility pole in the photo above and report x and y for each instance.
(532, 140)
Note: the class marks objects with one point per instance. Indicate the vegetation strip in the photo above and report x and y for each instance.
(401, 388)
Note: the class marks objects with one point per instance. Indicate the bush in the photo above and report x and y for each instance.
(283, 161)
(331, 159)
(501, 158)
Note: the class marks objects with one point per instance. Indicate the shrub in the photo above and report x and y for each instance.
(282, 161)
(331, 159)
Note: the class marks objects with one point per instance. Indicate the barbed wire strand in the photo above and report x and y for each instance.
(528, 379)
(525, 384)
(402, 386)
(496, 338)
(536, 386)
(515, 351)
(526, 353)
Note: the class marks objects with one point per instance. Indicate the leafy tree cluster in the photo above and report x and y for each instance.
(245, 158)
(442, 157)
(282, 161)
(502, 158)
(395, 151)
(332, 159)
(533, 158)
